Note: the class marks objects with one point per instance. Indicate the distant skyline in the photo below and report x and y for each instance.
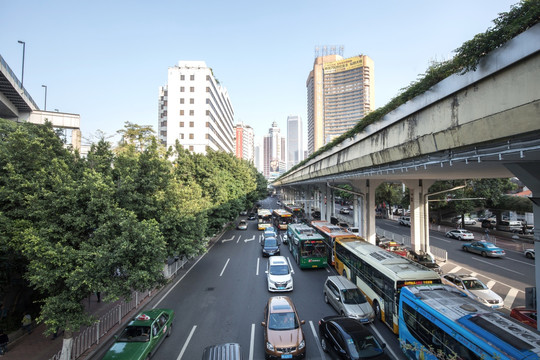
(106, 60)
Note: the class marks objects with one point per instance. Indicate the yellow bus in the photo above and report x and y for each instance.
(264, 219)
(282, 218)
(380, 275)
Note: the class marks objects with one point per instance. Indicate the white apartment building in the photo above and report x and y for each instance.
(195, 110)
(295, 146)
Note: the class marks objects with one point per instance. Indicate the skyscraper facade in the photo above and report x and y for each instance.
(245, 142)
(340, 92)
(295, 147)
(195, 110)
(274, 153)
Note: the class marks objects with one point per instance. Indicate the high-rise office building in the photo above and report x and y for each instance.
(295, 147)
(245, 142)
(274, 153)
(340, 92)
(195, 110)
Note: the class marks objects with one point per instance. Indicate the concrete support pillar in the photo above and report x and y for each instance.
(356, 222)
(366, 208)
(418, 190)
(307, 203)
(329, 202)
(529, 174)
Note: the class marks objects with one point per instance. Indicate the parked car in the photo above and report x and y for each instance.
(278, 274)
(510, 226)
(142, 335)
(228, 351)
(405, 220)
(343, 225)
(524, 315)
(473, 288)
(460, 234)
(283, 335)
(347, 299)
(270, 246)
(468, 221)
(489, 223)
(242, 225)
(529, 253)
(344, 211)
(424, 259)
(393, 247)
(346, 338)
(483, 248)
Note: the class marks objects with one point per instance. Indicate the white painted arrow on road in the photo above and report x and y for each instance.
(225, 240)
(253, 238)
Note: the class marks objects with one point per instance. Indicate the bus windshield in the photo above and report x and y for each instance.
(316, 249)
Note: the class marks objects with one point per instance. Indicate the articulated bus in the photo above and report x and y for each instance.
(437, 321)
(296, 210)
(380, 275)
(282, 218)
(307, 246)
(265, 218)
(330, 233)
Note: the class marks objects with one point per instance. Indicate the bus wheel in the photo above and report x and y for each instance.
(377, 310)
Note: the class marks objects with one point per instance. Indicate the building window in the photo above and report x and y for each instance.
(191, 136)
(190, 147)
(181, 89)
(191, 89)
(207, 112)
(181, 100)
(191, 124)
(207, 124)
(191, 77)
(181, 136)
(181, 112)
(207, 89)
(181, 124)
(207, 77)
(191, 112)
(192, 101)
(206, 136)
(182, 77)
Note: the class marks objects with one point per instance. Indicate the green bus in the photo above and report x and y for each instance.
(307, 246)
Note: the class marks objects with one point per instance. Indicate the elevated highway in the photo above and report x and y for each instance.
(481, 124)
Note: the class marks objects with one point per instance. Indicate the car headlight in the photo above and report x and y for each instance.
(269, 346)
(302, 345)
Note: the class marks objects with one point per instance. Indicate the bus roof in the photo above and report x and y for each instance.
(263, 212)
(461, 311)
(282, 212)
(332, 230)
(393, 265)
(304, 232)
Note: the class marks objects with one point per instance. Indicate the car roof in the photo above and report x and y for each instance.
(277, 260)
(146, 317)
(342, 282)
(348, 324)
(277, 304)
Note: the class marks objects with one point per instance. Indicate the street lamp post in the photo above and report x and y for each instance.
(23, 51)
(45, 86)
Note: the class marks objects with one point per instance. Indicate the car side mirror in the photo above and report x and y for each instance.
(383, 345)
(302, 322)
(263, 324)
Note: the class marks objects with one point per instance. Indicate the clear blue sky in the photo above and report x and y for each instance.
(105, 60)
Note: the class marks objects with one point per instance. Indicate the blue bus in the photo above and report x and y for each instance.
(439, 322)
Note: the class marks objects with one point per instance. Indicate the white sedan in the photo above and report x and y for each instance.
(474, 288)
(460, 234)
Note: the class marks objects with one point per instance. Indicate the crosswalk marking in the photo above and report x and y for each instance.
(455, 270)
(509, 299)
(473, 274)
(490, 284)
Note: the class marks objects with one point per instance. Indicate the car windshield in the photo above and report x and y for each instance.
(283, 321)
(135, 334)
(279, 270)
(361, 346)
(353, 296)
(473, 284)
(270, 242)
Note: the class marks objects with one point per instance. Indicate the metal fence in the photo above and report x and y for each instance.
(91, 335)
(438, 253)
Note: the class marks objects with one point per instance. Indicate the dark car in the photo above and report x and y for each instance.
(270, 246)
(425, 259)
(347, 338)
(252, 216)
(142, 336)
(316, 215)
(489, 223)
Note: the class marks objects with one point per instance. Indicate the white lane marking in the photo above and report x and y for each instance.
(239, 237)
(491, 283)
(381, 340)
(317, 339)
(500, 267)
(290, 265)
(519, 261)
(252, 342)
(257, 271)
(225, 240)
(222, 271)
(473, 274)
(509, 299)
(246, 240)
(455, 270)
(186, 343)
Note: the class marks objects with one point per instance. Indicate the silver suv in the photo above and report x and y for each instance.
(347, 299)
